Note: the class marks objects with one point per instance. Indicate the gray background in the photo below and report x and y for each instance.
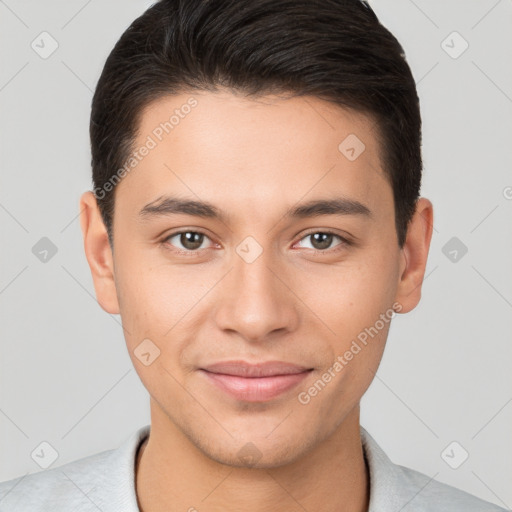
(65, 375)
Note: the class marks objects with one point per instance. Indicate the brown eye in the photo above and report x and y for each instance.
(323, 240)
(189, 240)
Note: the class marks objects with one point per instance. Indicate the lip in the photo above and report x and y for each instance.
(258, 382)
(251, 370)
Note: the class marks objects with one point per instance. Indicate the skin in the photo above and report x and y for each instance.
(254, 159)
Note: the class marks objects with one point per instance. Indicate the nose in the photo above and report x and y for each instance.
(255, 301)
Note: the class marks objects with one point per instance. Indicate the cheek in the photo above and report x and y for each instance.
(352, 296)
(148, 291)
(150, 308)
(159, 303)
(144, 300)
(341, 384)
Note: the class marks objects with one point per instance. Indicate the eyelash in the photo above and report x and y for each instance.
(344, 242)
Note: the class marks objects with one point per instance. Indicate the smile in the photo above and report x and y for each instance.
(255, 383)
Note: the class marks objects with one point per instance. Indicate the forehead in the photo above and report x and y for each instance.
(249, 152)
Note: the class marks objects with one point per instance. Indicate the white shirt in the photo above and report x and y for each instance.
(105, 482)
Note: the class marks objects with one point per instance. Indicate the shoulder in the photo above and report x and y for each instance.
(428, 494)
(394, 487)
(61, 488)
(102, 481)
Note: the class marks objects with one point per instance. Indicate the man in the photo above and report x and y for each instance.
(256, 222)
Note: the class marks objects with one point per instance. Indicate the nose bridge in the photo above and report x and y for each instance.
(255, 302)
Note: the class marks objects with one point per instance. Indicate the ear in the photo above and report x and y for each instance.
(414, 255)
(98, 253)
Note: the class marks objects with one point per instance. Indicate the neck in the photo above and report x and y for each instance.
(172, 474)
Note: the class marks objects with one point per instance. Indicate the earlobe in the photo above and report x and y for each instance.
(98, 253)
(414, 256)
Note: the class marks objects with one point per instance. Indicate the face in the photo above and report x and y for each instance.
(294, 258)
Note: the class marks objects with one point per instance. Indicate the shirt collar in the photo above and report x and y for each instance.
(385, 478)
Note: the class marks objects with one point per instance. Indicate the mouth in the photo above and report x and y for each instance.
(255, 382)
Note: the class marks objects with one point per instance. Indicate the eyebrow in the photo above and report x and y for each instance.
(337, 206)
(168, 205)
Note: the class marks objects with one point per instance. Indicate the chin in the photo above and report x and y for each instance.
(255, 452)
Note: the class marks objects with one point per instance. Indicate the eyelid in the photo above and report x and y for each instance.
(166, 237)
(344, 240)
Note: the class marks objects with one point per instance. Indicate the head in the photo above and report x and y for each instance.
(256, 170)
